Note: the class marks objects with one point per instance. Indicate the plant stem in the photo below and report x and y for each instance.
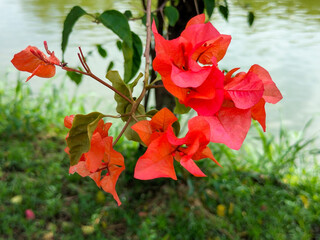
(148, 42)
(90, 74)
(122, 131)
(154, 86)
(136, 103)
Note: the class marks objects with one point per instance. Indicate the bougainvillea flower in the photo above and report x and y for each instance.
(164, 147)
(245, 98)
(34, 61)
(188, 65)
(100, 157)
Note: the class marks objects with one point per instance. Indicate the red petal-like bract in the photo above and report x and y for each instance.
(245, 91)
(157, 161)
(230, 126)
(258, 113)
(115, 165)
(34, 61)
(150, 130)
(271, 93)
(100, 157)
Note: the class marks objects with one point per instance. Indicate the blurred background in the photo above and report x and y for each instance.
(267, 190)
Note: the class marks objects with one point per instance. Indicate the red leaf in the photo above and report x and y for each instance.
(162, 120)
(177, 61)
(157, 161)
(196, 20)
(143, 128)
(192, 167)
(196, 141)
(230, 126)
(83, 171)
(245, 90)
(212, 51)
(96, 153)
(258, 113)
(30, 214)
(36, 62)
(191, 78)
(207, 99)
(115, 165)
(271, 92)
(68, 121)
(159, 123)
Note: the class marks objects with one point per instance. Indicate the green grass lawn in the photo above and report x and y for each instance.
(270, 189)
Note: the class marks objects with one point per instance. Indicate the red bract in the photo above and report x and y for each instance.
(245, 97)
(34, 61)
(193, 146)
(164, 146)
(156, 127)
(188, 65)
(100, 157)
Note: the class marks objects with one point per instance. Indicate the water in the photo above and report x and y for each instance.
(285, 39)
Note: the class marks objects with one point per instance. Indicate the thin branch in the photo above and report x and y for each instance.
(90, 74)
(154, 86)
(161, 7)
(122, 131)
(144, 4)
(196, 6)
(113, 116)
(148, 42)
(83, 61)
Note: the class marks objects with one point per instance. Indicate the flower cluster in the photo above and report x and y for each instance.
(189, 69)
(163, 146)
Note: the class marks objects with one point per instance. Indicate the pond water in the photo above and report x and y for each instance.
(285, 39)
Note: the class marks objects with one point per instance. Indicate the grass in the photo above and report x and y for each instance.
(267, 190)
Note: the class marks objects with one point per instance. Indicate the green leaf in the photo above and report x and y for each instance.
(118, 23)
(152, 112)
(135, 82)
(79, 139)
(128, 14)
(127, 51)
(172, 14)
(72, 17)
(176, 127)
(153, 18)
(250, 18)
(180, 108)
(110, 66)
(224, 10)
(75, 77)
(101, 51)
(137, 53)
(122, 87)
(209, 5)
(119, 45)
(129, 132)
